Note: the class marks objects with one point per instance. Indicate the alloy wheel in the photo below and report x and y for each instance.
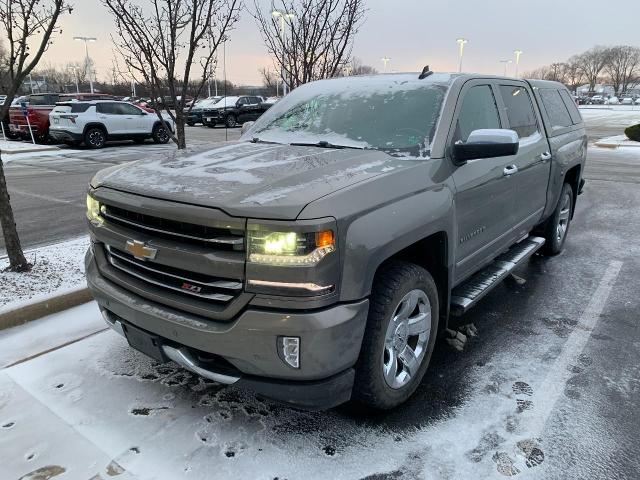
(563, 218)
(406, 339)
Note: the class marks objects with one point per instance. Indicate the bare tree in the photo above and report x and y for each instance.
(623, 64)
(573, 75)
(29, 26)
(270, 80)
(358, 68)
(592, 63)
(161, 42)
(312, 39)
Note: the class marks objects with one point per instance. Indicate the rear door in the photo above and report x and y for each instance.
(109, 115)
(532, 165)
(484, 197)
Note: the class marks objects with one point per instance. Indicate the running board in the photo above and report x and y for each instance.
(467, 294)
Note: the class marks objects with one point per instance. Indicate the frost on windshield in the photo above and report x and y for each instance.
(398, 115)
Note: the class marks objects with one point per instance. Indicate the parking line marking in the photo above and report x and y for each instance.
(37, 195)
(549, 392)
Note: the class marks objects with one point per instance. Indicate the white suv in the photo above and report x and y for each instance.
(97, 122)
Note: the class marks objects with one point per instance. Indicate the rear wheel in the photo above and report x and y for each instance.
(400, 335)
(160, 134)
(557, 226)
(95, 138)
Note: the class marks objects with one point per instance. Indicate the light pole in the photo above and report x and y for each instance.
(517, 54)
(506, 64)
(75, 76)
(461, 43)
(385, 61)
(283, 16)
(86, 41)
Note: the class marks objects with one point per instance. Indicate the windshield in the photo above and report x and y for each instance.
(397, 114)
(227, 102)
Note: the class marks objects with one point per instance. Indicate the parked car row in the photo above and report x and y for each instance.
(228, 111)
(608, 100)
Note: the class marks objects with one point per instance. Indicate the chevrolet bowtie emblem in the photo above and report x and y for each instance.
(140, 250)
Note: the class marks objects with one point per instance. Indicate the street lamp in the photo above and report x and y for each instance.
(75, 75)
(506, 64)
(461, 42)
(86, 41)
(283, 17)
(517, 54)
(385, 61)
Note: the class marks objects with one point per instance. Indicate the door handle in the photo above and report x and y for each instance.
(545, 156)
(509, 170)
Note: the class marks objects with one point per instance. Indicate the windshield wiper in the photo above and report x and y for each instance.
(258, 140)
(325, 144)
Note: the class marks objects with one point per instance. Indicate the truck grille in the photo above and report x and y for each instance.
(190, 284)
(219, 238)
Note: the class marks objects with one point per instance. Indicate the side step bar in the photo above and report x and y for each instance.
(467, 294)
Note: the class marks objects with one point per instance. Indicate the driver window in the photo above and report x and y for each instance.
(242, 101)
(479, 110)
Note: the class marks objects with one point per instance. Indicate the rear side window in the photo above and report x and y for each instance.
(571, 106)
(556, 109)
(520, 113)
(108, 108)
(478, 111)
(45, 99)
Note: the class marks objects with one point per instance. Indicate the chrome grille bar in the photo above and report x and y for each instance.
(234, 241)
(223, 284)
(219, 297)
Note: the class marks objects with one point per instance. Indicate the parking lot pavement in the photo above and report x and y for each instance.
(48, 191)
(548, 390)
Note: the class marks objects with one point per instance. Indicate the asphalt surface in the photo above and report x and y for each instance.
(549, 389)
(48, 192)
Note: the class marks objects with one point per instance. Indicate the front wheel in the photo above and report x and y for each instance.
(160, 134)
(231, 121)
(400, 335)
(557, 226)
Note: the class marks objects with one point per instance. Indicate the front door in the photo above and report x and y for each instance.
(484, 196)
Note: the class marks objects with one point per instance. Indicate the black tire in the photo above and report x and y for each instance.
(554, 236)
(160, 134)
(393, 281)
(95, 138)
(211, 125)
(231, 121)
(191, 124)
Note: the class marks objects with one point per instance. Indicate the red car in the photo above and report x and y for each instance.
(39, 106)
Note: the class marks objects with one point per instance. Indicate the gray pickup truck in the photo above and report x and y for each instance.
(316, 260)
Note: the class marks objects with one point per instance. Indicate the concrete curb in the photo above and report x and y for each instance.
(29, 150)
(33, 311)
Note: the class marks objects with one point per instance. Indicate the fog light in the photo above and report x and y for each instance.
(289, 350)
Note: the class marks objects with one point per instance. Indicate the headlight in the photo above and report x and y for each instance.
(289, 248)
(94, 210)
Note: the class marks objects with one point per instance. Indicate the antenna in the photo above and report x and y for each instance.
(425, 73)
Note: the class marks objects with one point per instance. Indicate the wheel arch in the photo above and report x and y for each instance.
(572, 177)
(99, 125)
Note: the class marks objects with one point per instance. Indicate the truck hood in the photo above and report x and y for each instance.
(250, 180)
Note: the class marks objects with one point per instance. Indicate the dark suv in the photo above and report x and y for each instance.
(233, 111)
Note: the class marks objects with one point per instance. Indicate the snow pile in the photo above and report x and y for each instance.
(56, 269)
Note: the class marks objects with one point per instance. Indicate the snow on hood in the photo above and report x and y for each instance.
(250, 180)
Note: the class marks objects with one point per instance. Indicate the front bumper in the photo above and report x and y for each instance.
(330, 342)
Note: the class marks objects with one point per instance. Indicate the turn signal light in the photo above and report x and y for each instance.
(325, 239)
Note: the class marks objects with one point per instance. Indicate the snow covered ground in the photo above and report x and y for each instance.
(611, 116)
(57, 268)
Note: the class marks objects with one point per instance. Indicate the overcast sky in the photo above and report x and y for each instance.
(413, 33)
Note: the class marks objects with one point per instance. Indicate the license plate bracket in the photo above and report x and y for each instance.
(150, 345)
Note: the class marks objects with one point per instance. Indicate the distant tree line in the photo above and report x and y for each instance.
(618, 66)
